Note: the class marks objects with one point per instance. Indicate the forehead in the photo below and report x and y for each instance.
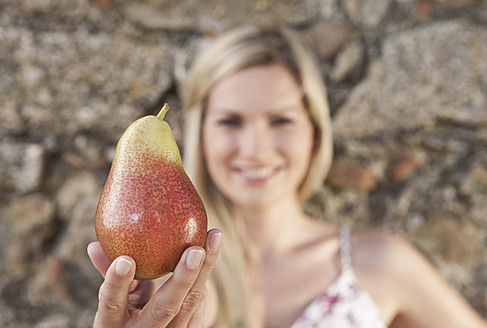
(269, 86)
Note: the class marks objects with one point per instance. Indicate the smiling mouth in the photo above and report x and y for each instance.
(257, 173)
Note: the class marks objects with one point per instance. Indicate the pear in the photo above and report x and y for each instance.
(149, 209)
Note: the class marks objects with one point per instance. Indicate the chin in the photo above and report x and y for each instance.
(255, 201)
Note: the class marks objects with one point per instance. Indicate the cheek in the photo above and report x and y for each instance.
(216, 147)
(296, 144)
(298, 149)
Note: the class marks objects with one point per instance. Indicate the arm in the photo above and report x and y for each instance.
(424, 298)
(178, 300)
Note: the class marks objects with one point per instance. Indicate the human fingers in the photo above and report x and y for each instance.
(113, 294)
(197, 294)
(197, 320)
(167, 301)
(98, 257)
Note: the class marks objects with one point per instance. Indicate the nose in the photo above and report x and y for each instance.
(255, 142)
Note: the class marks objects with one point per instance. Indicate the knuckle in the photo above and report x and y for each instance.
(193, 299)
(163, 313)
(107, 304)
(210, 261)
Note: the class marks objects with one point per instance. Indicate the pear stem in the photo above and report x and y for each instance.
(163, 111)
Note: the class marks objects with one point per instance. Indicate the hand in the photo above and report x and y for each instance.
(175, 300)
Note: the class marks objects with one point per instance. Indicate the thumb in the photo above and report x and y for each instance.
(113, 294)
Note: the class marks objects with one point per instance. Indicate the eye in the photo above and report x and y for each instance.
(280, 121)
(229, 121)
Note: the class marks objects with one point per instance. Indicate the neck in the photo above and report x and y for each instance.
(274, 229)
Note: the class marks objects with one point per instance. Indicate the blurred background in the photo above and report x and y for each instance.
(407, 83)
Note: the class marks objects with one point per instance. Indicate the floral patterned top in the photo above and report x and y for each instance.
(344, 304)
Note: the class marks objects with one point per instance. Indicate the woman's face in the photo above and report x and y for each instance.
(257, 136)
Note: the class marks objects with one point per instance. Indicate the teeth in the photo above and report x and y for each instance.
(259, 173)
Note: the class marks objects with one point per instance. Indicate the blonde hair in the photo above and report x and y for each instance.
(242, 48)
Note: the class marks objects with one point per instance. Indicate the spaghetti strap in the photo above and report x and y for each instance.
(345, 303)
(345, 249)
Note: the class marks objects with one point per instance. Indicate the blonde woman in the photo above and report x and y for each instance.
(258, 144)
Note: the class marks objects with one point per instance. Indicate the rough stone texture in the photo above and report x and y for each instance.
(328, 38)
(434, 79)
(407, 83)
(215, 15)
(22, 165)
(348, 60)
(368, 13)
(31, 226)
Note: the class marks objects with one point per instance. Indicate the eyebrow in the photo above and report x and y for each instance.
(224, 110)
(277, 110)
(287, 108)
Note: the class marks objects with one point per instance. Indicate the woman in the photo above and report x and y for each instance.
(258, 144)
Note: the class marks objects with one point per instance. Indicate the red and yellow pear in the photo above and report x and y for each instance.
(149, 208)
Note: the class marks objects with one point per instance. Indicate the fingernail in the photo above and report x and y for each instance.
(194, 257)
(88, 247)
(215, 242)
(122, 267)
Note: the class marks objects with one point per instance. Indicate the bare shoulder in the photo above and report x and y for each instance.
(381, 251)
(384, 264)
(389, 254)
(394, 273)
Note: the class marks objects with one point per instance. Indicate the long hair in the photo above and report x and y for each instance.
(236, 50)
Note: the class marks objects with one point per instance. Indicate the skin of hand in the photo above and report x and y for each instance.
(175, 300)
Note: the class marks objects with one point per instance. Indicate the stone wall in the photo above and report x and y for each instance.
(407, 82)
